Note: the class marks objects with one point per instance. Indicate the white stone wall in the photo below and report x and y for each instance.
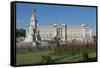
(81, 33)
(47, 32)
(74, 32)
(88, 34)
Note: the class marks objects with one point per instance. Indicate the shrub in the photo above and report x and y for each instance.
(84, 56)
(46, 59)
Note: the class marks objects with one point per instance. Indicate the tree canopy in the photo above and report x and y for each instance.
(20, 32)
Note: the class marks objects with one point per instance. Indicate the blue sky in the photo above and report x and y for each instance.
(51, 14)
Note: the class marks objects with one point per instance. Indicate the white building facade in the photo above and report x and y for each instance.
(66, 33)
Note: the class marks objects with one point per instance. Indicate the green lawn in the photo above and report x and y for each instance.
(75, 58)
(30, 58)
(35, 57)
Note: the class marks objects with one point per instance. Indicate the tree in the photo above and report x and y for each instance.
(94, 38)
(20, 32)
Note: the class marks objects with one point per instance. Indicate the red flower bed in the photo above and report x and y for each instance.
(74, 48)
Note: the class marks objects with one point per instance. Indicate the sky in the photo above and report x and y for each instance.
(55, 14)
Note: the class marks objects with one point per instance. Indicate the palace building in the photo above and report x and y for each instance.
(66, 32)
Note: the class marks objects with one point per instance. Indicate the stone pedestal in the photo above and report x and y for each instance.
(33, 43)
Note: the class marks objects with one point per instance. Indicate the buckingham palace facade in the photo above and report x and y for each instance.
(66, 33)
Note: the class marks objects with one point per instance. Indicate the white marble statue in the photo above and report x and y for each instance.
(32, 31)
